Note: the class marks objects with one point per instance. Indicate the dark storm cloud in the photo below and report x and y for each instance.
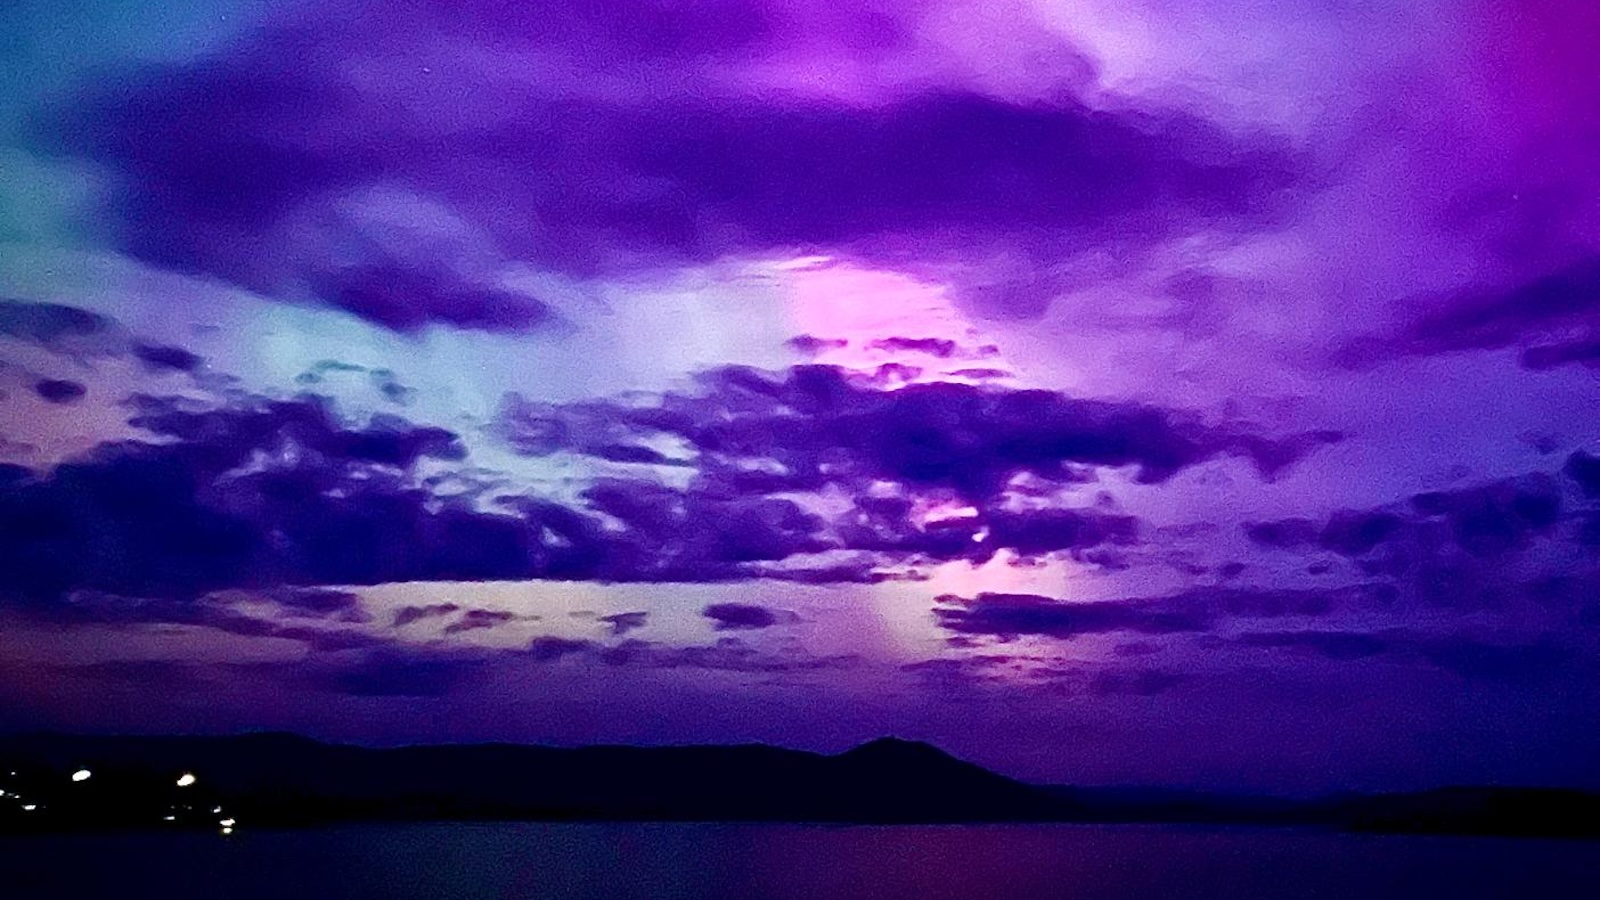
(394, 669)
(344, 606)
(1496, 518)
(811, 345)
(550, 649)
(59, 390)
(259, 493)
(939, 347)
(406, 615)
(888, 524)
(406, 295)
(206, 612)
(1041, 531)
(252, 165)
(329, 504)
(1354, 533)
(1483, 520)
(80, 333)
(1553, 316)
(740, 616)
(166, 358)
(816, 425)
(1282, 533)
(479, 619)
(1011, 615)
(758, 441)
(50, 324)
(1584, 468)
(622, 623)
(1584, 352)
(1195, 611)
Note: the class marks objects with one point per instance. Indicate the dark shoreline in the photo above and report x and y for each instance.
(286, 781)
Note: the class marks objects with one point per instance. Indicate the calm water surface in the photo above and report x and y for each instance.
(740, 862)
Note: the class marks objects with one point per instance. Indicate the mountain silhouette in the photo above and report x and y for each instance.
(285, 779)
(274, 779)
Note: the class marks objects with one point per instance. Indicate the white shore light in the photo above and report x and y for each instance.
(185, 780)
(81, 775)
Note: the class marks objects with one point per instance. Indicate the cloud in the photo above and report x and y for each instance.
(59, 390)
(407, 615)
(478, 619)
(1553, 316)
(403, 198)
(1353, 533)
(408, 294)
(322, 603)
(1585, 352)
(818, 425)
(1282, 533)
(812, 345)
(939, 347)
(82, 335)
(740, 616)
(219, 612)
(253, 494)
(1012, 615)
(550, 649)
(1584, 469)
(1200, 610)
(622, 623)
(259, 493)
(166, 358)
(1484, 520)
(53, 325)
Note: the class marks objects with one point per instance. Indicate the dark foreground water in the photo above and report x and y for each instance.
(739, 862)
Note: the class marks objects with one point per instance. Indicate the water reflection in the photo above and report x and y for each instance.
(710, 862)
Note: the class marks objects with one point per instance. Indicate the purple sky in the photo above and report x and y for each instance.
(1109, 392)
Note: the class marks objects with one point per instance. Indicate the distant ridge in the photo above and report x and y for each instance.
(276, 779)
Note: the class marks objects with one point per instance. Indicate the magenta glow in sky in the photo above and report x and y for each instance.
(1169, 393)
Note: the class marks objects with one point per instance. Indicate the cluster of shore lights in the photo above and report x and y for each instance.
(186, 779)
